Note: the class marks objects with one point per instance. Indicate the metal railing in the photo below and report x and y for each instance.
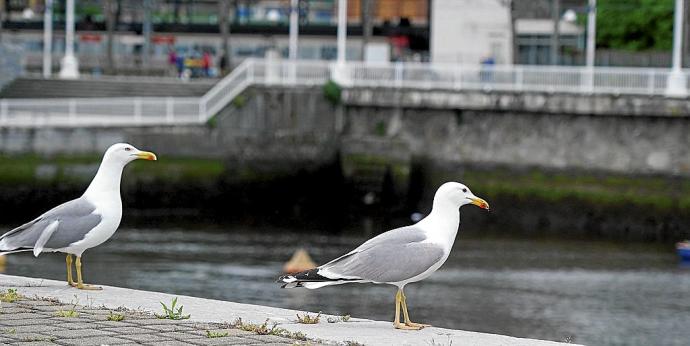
(568, 79)
(91, 112)
(146, 111)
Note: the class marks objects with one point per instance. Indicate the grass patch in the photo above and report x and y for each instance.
(605, 190)
(10, 295)
(115, 317)
(264, 329)
(332, 92)
(308, 319)
(211, 334)
(352, 343)
(71, 313)
(79, 169)
(336, 319)
(39, 338)
(173, 312)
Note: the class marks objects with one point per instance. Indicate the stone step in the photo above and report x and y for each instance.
(28, 87)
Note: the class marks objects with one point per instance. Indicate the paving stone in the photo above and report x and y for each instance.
(23, 315)
(78, 333)
(50, 308)
(169, 343)
(28, 322)
(123, 323)
(32, 337)
(36, 302)
(203, 326)
(73, 319)
(268, 338)
(228, 340)
(6, 310)
(93, 341)
(36, 328)
(230, 331)
(4, 339)
(91, 317)
(77, 324)
(99, 311)
(126, 330)
(148, 338)
(35, 343)
(35, 323)
(149, 321)
(183, 335)
(167, 328)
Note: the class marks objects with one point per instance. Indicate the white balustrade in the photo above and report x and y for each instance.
(145, 111)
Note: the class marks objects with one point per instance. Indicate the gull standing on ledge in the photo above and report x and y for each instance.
(82, 223)
(400, 256)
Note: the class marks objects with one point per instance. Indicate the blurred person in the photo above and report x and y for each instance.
(206, 64)
(172, 61)
(179, 63)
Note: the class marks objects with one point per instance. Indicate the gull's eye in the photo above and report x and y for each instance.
(464, 190)
(128, 149)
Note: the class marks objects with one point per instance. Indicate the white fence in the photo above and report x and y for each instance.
(567, 79)
(147, 111)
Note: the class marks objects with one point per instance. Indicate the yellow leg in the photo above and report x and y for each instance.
(406, 315)
(396, 323)
(80, 282)
(70, 281)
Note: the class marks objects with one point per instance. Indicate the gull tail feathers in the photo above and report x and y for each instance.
(6, 249)
(312, 279)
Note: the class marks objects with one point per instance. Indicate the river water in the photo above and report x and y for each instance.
(587, 292)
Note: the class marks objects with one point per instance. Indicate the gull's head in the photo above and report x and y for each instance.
(124, 153)
(458, 195)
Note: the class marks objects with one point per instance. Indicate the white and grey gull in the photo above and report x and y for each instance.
(82, 223)
(400, 256)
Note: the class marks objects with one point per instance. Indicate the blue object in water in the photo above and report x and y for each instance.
(684, 254)
(683, 250)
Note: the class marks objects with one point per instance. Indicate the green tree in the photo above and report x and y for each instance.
(635, 25)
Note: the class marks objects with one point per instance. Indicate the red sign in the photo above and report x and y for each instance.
(90, 38)
(163, 39)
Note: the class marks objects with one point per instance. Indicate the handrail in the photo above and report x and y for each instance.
(145, 111)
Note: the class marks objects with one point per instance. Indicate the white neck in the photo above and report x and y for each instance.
(443, 222)
(107, 179)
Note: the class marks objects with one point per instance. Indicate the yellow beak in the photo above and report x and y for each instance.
(480, 203)
(147, 155)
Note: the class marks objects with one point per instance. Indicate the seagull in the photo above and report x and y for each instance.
(82, 223)
(400, 256)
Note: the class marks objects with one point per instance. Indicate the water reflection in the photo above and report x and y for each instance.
(586, 292)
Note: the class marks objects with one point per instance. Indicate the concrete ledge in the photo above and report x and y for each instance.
(526, 101)
(206, 310)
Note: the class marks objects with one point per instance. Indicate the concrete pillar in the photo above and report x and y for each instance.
(556, 18)
(147, 29)
(48, 39)
(70, 64)
(294, 29)
(342, 30)
(676, 85)
(591, 32)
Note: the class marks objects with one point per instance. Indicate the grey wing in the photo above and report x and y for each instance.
(74, 219)
(393, 256)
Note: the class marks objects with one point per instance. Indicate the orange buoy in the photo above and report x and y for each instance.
(300, 261)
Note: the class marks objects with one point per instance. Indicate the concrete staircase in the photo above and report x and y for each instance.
(33, 87)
